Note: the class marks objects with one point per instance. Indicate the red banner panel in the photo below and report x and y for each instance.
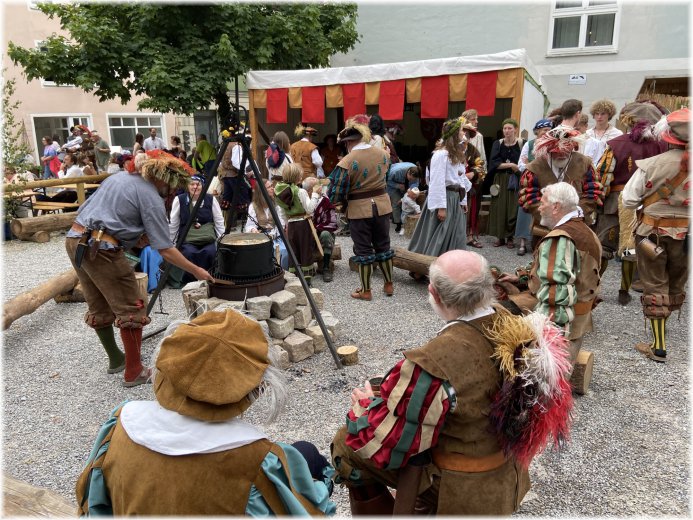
(277, 105)
(354, 95)
(392, 100)
(481, 92)
(313, 104)
(434, 97)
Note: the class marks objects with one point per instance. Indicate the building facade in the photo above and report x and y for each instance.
(583, 49)
(48, 109)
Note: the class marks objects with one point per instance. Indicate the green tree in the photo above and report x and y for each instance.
(13, 135)
(182, 58)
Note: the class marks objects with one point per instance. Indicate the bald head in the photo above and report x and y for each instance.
(461, 282)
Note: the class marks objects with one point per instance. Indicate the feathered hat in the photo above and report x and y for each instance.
(674, 127)
(302, 130)
(560, 141)
(356, 129)
(636, 111)
(167, 168)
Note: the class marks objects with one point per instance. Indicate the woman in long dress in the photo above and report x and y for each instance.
(505, 155)
(442, 226)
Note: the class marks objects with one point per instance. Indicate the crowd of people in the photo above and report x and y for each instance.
(446, 427)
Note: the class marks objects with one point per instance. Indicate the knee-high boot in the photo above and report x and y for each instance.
(374, 501)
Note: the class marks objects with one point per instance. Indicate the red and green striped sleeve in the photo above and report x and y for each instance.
(559, 264)
(404, 421)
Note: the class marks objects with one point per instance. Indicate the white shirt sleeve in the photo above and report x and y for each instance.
(308, 204)
(218, 217)
(524, 158)
(317, 161)
(174, 220)
(236, 156)
(436, 185)
(467, 185)
(634, 190)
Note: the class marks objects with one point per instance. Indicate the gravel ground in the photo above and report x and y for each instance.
(630, 440)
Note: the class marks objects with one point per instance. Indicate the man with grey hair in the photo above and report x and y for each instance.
(432, 411)
(564, 278)
(190, 452)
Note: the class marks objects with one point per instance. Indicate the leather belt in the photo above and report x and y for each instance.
(617, 188)
(453, 188)
(582, 308)
(664, 222)
(104, 236)
(367, 194)
(458, 462)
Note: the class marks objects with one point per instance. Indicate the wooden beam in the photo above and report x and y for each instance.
(28, 301)
(22, 499)
(89, 179)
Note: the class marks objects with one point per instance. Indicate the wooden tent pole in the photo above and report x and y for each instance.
(516, 109)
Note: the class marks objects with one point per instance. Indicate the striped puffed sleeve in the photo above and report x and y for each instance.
(530, 191)
(605, 168)
(404, 421)
(559, 264)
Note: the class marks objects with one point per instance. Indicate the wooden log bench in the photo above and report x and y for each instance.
(22, 499)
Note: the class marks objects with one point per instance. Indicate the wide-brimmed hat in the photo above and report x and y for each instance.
(355, 129)
(165, 167)
(208, 368)
(636, 111)
(303, 130)
(674, 127)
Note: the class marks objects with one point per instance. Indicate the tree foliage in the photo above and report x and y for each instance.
(13, 135)
(182, 57)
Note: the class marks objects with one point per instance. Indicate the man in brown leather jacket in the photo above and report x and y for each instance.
(661, 185)
(359, 183)
(438, 397)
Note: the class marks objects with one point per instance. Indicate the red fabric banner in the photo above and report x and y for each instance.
(313, 104)
(277, 105)
(392, 100)
(481, 92)
(354, 95)
(434, 97)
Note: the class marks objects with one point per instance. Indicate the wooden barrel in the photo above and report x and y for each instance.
(142, 281)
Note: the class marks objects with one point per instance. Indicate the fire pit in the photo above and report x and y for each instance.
(239, 288)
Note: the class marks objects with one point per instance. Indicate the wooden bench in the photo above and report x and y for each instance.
(22, 499)
(53, 206)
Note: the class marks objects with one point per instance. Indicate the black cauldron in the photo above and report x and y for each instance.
(245, 255)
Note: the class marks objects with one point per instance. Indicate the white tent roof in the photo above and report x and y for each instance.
(264, 79)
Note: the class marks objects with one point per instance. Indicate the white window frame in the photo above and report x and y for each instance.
(45, 82)
(89, 116)
(584, 12)
(109, 115)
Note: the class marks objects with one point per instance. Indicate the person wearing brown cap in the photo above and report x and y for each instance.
(306, 153)
(190, 453)
(358, 183)
(615, 167)
(661, 184)
(127, 210)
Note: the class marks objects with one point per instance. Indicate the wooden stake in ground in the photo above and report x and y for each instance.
(348, 354)
(582, 372)
(28, 301)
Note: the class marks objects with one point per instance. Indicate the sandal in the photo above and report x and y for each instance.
(510, 244)
(475, 243)
(144, 378)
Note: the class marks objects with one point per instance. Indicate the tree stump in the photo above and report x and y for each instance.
(348, 354)
(410, 224)
(582, 372)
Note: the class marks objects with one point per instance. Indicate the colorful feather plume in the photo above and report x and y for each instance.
(535, 401)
